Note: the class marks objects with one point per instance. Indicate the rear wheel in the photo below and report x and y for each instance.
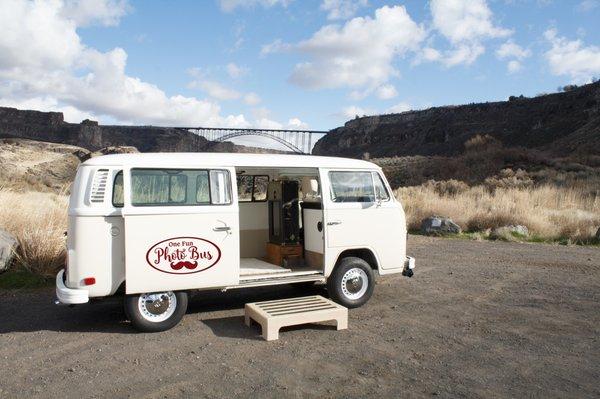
(351, 283)
(158, 311)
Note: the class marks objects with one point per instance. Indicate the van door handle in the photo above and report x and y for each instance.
(222, 228)
(333, 223)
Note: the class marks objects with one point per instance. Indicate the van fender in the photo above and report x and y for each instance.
(365, 252)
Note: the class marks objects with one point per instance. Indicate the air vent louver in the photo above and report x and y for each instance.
(99, 186)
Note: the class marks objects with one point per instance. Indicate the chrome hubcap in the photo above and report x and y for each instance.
(157, 307)
(355, 283)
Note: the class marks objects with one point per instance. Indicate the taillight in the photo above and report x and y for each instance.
(89, 281)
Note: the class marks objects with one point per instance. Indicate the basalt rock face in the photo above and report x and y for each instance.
(561, 123)
(51, 127)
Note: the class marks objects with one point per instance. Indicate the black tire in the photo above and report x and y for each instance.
(144, 323)
(339, 288)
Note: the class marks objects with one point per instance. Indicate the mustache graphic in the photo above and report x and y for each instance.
(183, 263)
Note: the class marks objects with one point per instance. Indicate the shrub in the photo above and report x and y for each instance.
(507, 178)
(38, 221)
(570, 212)
(450, 187)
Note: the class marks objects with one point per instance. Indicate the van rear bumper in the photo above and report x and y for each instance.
(69, 296)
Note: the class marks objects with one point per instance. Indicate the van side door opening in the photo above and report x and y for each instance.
(261, 208)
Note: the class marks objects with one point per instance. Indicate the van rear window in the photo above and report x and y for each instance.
(171, 187)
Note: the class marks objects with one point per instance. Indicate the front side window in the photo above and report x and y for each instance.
(164, 187)
(351, 187)
(381, 192)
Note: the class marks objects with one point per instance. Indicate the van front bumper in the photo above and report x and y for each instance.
(409, 265)
(69, 296)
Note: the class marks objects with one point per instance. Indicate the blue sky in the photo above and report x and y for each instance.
(286, 63)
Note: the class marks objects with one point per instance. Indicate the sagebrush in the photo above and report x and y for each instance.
(554, 213)
(570, 213)
(38, 221)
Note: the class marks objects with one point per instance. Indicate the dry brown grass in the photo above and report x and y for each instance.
(38, 221)
(554, 213)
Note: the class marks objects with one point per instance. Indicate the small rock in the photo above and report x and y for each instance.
(437, 225)
(509, 233)
(8, 245)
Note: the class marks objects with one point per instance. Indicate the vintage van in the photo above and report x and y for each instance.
(156, 226)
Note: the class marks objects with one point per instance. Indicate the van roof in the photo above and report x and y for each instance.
(208, 159)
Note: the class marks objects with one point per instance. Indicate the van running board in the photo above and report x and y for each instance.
(277, 281)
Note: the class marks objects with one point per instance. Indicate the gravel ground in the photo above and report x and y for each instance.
(479, 319)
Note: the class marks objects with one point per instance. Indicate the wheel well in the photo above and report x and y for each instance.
(363, 253)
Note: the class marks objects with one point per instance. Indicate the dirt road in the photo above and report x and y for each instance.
(479, 319)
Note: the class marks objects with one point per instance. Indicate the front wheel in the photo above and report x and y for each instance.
(158, 311)
(351, 283)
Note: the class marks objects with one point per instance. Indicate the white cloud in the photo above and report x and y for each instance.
(514, 53)
(230, 5)
(572, 58)
(92, 12)
(276, 46)
(398, 108)
(342, 9)
(219, 91)
(514, 66)
(352, 111)
(464, 21)
(463, 54)
(215, 89)
(264, 123)
(71, 114)
(588, 5)
(465, 24)
(235, 71)
(45, 65)
(427, 54)
(358, 54)
(295, 123)
(512, 50)
(251, 99)
(387, 91)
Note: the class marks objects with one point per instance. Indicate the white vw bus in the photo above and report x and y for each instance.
(156, 226)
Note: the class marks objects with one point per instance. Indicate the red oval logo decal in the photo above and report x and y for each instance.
(183, 255)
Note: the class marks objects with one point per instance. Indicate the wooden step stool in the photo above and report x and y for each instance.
(272, 315)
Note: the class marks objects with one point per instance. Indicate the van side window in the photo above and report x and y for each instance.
(252, 188)
(351, 187)
(202, 189)
(117, 196)
(381, 192)
(171, 187)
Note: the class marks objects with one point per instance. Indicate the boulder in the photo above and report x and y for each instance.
(8, 245)
(509, 232)
(437, 225)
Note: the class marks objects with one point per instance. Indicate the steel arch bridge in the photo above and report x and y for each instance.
(299, 141)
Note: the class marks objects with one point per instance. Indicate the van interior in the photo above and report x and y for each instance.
(281, 224)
